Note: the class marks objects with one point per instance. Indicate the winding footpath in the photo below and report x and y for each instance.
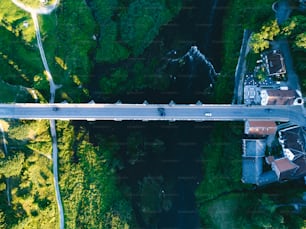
(34, 12)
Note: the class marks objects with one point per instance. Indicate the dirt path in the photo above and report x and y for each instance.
(53, 87)
(42, 10)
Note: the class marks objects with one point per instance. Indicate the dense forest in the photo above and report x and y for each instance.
(99, 49)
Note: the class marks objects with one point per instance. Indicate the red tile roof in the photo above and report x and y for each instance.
(284, 168)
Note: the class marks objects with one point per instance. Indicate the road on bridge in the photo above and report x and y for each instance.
(150, 112)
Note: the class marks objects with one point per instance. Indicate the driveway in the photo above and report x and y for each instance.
(282, 11)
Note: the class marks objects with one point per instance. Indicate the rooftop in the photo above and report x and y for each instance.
(274, 63)
(267, 178)
(278, 97)
(293, 141)
(301, 162)
(251, 169)
(284, 168)
(260, 127)
(254, 147)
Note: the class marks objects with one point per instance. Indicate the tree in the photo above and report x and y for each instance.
(135, 147)
(300, 41)
(109, 49)
(11, 166)
(114, 84)
(260, 41)
(3, 224)
(141, 22)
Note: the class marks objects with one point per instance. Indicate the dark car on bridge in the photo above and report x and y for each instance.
(161, 111)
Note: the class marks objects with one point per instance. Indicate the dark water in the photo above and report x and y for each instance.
(179, 164)
(199, 23)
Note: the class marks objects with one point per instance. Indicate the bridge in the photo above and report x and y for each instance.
(151, 112)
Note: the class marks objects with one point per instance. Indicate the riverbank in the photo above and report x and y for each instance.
(237, 18)
(223, 201)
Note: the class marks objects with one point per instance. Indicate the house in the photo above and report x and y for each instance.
(279, 97)
(301, 171)
(275, 64)
(261, 128)
(252, 165)
(284, 168)
(292, 140)
(252, 172)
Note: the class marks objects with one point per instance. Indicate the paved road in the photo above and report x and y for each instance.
(282, 11)
(148, 112)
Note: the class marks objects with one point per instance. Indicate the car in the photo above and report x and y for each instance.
(252, 93)
(161, 111)
(55, 108)
(208, 114)
(268, 110)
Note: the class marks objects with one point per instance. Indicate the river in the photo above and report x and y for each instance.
(179, 163)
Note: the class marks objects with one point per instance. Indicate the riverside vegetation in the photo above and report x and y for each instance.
(224, 202)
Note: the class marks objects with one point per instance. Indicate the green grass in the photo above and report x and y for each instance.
(251, 59)
(20, 63)
(17, 21)
(67, 39)
(13, 94)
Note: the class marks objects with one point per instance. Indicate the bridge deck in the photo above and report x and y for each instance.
(148, 112)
